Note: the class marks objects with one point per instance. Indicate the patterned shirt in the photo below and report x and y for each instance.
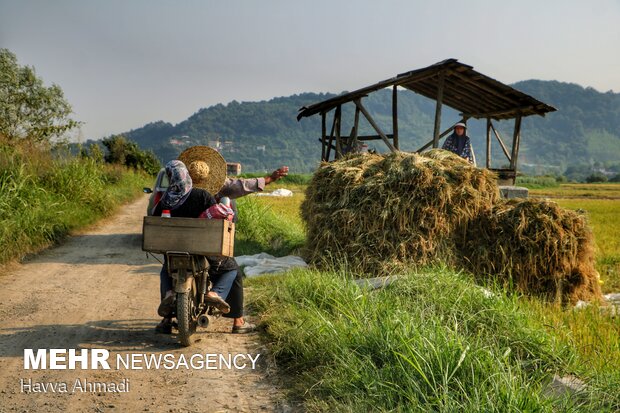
(451, 144)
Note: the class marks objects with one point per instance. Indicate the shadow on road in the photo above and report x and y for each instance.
(113, 335)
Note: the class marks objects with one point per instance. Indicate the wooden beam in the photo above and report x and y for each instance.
(339, 122)
(501, 142)
(331, 138)
(440, 87)
(332, 146)
(488, 143)
(323, 135)
(483, 87)
(516, 140)
(516, 111)
(447, 131)
(366, 137)
(372, 122)
(466, 103)
(395, 116)
(356, 125)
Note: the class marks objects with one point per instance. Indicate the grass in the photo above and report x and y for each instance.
(535, 182)
(597, 191)
(261, 228)
(433, 341)
(45, 196)
(272, 224)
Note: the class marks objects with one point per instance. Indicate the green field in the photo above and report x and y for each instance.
(433, 341)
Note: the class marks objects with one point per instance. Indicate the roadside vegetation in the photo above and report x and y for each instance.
(434, 340)
(47, 195)
(47, 190)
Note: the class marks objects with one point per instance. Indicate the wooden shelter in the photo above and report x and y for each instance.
(449, 83)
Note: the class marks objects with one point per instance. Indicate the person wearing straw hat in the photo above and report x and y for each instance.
(207, 169)
(460, 144)
(185, 199)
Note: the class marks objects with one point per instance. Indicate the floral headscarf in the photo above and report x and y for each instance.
(179, 187)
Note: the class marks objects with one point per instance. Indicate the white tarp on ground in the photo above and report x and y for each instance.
(277, 192)
(264, 263)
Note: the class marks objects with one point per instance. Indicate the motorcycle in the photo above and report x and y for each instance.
(185, 242)
(190, 275)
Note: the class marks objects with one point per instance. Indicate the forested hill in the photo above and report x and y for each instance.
(263, 135)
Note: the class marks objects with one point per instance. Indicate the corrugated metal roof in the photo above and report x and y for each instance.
(471, 93)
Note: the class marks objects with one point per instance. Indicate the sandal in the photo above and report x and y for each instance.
(218, 302)
(164, 327)
(166, 307)
(244, 328)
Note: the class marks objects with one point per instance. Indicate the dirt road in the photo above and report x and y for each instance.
(99, 291)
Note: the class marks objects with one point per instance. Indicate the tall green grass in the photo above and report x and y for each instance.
(537, 182)
(44, 197)
(432, 341)
(261, 228)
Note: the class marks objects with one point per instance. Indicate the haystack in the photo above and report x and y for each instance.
(537, 246)
(375, 214)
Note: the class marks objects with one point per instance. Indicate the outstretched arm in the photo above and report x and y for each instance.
(236, 188)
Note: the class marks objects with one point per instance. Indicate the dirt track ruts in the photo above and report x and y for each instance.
(98, 290)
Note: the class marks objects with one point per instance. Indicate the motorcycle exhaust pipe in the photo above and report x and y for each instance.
(203, 321)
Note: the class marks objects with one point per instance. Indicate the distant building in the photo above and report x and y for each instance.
(233, 168)
(260, 148)
(215, 144)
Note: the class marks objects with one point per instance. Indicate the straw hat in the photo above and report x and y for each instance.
(206, 167)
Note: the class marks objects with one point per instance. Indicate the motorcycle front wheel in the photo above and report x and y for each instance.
(187, 315)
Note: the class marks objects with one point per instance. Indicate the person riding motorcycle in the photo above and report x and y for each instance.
(207, 170)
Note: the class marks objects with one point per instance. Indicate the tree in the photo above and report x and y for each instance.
(28, 109)
(124, 152)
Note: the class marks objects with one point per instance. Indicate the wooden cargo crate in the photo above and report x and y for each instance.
(193, 235)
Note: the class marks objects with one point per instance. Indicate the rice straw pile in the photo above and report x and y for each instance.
(375, 214)
(539, 247)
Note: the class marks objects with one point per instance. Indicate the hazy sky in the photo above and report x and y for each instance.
(123, 63)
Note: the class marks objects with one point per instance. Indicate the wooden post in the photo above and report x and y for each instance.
(395, 117)
(516, 137)
(372, 122)
(331, 138)
(339, 122)
(438, 109)
(488, 143)
(501, 143)
(323, 136)
(356, 125)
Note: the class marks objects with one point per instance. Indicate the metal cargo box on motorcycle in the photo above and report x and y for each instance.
(192, 235)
